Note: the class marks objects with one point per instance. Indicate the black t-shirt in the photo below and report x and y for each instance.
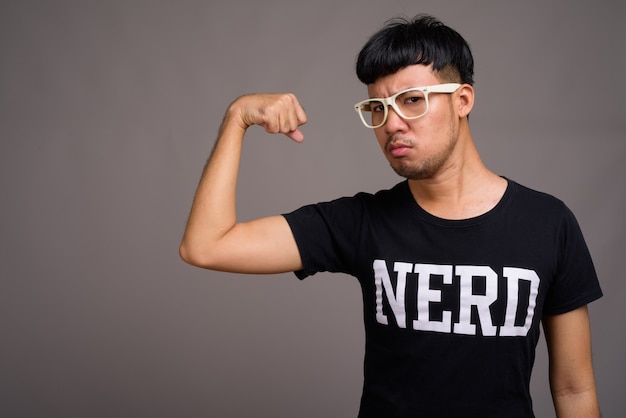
(451, 307)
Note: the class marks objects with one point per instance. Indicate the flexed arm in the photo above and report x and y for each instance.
(213, 238)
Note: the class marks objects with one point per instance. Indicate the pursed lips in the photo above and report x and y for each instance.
(398, 148)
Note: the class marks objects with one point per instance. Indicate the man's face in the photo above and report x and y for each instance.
(417, 149)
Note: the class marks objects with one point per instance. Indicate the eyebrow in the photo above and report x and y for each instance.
(397, 91)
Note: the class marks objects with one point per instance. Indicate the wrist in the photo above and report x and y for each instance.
(233, 118)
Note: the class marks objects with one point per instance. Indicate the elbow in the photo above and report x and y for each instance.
(204, 252)
(194, 256)
(185, 254)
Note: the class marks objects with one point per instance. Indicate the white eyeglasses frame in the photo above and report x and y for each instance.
(391, 101)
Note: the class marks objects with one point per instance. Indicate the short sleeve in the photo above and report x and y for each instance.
(327, 235)
(575, 282)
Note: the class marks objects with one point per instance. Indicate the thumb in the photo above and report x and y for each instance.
(296, 135)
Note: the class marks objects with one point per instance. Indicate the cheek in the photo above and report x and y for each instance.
(435, 124)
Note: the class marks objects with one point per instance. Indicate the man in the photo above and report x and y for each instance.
(457, 265)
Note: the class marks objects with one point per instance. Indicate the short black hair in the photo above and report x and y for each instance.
(421, 40)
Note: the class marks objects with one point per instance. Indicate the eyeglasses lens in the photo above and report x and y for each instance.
(410, 104)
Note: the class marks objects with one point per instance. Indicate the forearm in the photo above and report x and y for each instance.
(213, 211)
(577, 404)
(572, 381)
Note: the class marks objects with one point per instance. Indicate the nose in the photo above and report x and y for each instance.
(394, 121)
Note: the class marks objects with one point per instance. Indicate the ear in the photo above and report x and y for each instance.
(465, 100)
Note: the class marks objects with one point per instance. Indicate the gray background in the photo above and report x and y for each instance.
(108, 110)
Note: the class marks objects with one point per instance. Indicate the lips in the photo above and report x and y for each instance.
(398, 149)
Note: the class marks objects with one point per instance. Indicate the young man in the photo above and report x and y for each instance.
(457, 265)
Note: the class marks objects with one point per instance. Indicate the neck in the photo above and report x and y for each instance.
(463, 189)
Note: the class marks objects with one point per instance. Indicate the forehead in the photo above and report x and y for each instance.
(412, 76)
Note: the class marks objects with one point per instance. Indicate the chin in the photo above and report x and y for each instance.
(412, 172)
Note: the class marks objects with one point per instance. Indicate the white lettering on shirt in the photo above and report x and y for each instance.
(477, 290)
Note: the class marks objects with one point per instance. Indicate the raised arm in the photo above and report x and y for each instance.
(572, 382)
(213, 238)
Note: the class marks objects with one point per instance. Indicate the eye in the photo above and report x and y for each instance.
(378, 107)
(374, 107)
(412, 99)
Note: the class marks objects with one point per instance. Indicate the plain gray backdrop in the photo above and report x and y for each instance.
(108, 111)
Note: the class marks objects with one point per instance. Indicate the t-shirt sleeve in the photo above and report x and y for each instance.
(327, 235)
(575, 282)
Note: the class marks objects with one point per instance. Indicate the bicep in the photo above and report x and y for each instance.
(261, 246)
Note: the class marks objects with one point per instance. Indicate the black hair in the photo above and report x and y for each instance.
(421, 40)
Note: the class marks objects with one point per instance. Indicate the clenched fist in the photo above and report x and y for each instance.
(276, 113)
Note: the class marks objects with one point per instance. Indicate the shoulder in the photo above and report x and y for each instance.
(367, 200)
(349, 213)
(527, 193)
(387, 198)
(534, 201)
(349, 208)
(543, 213)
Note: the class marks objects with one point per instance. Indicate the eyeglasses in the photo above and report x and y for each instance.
(408, 104)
